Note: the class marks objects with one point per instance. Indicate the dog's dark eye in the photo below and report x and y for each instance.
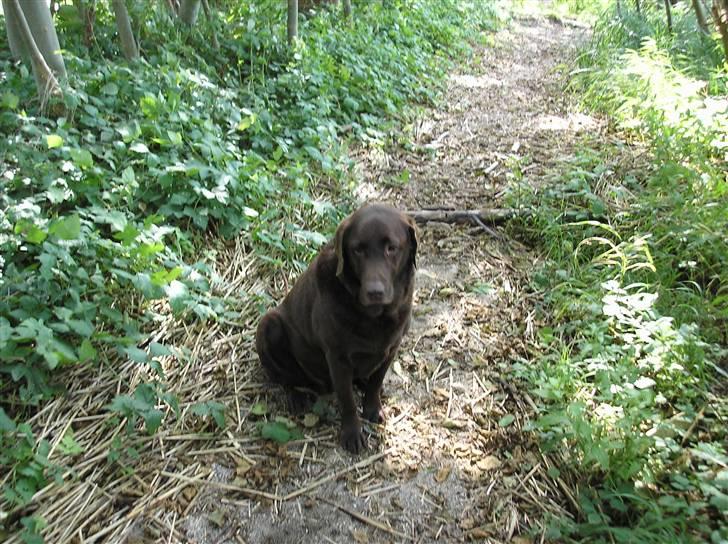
(391, 249)
(359, 251)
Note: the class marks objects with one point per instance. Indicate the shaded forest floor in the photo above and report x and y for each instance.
(452, 462)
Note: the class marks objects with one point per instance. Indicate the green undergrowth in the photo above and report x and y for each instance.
(630, 369)
(110, 212)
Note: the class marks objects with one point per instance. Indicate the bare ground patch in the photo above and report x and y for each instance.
(452, 463)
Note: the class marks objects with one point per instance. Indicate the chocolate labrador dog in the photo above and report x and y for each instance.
(343, 321)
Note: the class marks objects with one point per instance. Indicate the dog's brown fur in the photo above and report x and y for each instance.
(343, 321)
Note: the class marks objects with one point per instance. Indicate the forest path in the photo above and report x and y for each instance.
(452, 462)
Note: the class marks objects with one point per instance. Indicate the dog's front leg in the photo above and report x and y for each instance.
(352, 438)
(372, 393)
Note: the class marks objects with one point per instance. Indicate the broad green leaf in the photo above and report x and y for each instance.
(276, 431)
(159, 350)
(165, 277)
(81, 327)
(506, 420)
(137, 355)
(53, 140)
(175, 138)
(68, 444)
(66, 228)
(58, 192)
(246, 123)
(139, 147)
(152, 420)
(259, 409)
(87, 352)
(32, 234)
(10, 100)
(82, 158)
(110, 89)
(6, 424)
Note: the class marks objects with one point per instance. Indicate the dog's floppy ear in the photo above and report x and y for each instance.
(339, 246)
(412, 231)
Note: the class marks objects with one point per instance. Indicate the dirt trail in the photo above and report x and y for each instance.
(452, 462)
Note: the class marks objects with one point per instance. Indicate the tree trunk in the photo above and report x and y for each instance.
(208, 13)
(123, 26)
(87, 15)
(189, 10)
(720, 15)
(668, 13)
(40, 43)
(15, 38)
(347, 9)
(292, 20)
(700, 16)
(172, 6)
(637, 5)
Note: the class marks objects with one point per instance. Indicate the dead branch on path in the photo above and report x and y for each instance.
(491, 216)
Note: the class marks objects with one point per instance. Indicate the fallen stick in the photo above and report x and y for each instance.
(221, 485)
(477, 217)
(334, 476)
(364, 519)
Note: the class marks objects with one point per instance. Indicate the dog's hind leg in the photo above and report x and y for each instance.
(273, 347)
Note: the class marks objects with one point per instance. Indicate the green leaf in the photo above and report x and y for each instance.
(110, 89)
(66, 228)
(137, 355)
(6, 424)
(139, 147)
(159, 350)
(175, 138)
(10, 100)
(68, 444)
(32, 234)
(53, 140)
(82, 158)
(152, 420)
(246, 123)
(87, 352)
(165, 277)
(276, 431)
(259, 409)
(506, 420)
(81, 327)
(211, 408)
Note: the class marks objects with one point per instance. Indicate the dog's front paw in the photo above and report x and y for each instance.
(352, 438)
(372, 409)
(374, 413)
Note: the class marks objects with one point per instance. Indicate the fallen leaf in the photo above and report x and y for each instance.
(189, 493)
(360, 536)
(491, 462)
(310, 420)
(454, 423)
(242, 467)
(442, 474)
(467, 523)
(479, 533)
(217, 517)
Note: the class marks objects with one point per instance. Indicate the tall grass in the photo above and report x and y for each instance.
(631, 370)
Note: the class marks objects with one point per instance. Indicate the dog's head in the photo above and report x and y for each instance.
(375, 249)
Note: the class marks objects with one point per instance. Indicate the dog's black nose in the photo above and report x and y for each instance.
(375, 291)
